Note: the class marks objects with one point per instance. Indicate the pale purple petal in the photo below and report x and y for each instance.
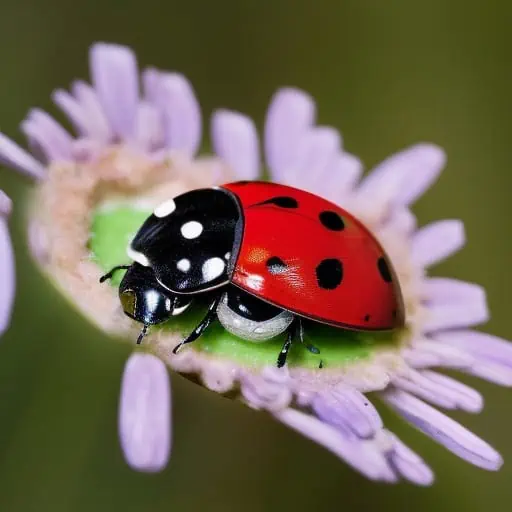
(7, 272)
(41, 129)
(75, 112)
(181, 112)
(444, 430)
(433, 353)
(235, 140)
(439, 390)
(290, 115)
(453, 315)
(350, 170)
(115, 78)
(401, 220)
(145, 413)
(442, 289)
(409, 464)
(5, 204)
(149, 134)
(99, 128)
(482, 345)
(341, 176)
(404, 176)
(466, 398)
(269, 390)
(316, 150)
(151, 84)
(362, 456)
(493, 372)
(427, 161)
(14, 156)
(437, 241)
(349, 410)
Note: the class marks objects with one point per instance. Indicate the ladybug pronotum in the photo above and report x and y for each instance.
(269, 256)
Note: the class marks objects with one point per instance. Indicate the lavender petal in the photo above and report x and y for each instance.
(409, 464)
(492, 372)
(349, 410)
(268, 390)
(481, 345)
(50, 136)
(437, 241)
(401, 220)
(315, 152)
(144, 413)
(7, 270)
(444, 430)
(115, 78)
(290, 115)
(466, 398)
(342, 175)
(442, 290)
(235, 140)
(443, 355)
(363, 456)
(149, 133)
(181, 112)
(14, 156)
(439, 390)
(456, 315)
(404, 176)
(99, 128)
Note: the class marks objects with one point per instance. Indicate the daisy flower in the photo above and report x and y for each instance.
(134, 149)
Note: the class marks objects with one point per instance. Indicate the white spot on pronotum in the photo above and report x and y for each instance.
(168, 304)
(213, 268)
(137, 256)
(178, 311)
(227, 255)
(183, 265)
(191, 230)
(166, 208)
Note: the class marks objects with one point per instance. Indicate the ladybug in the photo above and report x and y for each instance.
(268, 256)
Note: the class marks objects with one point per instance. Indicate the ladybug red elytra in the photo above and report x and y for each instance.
(269, 256)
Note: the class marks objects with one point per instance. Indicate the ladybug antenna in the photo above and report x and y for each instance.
(109, 275)
(142, 333)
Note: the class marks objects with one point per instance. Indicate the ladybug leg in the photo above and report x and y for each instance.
(311, 348)
(281, 360)
(211, 316)
(109, 275)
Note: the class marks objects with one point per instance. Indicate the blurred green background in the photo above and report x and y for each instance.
(388, 74)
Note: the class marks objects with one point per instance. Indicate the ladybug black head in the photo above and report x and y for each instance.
(145, 300)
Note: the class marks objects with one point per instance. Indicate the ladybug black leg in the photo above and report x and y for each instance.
(142, 334)
(281, 360)
(296, 330)
(210, 316)
(109, 275)
(311, 348)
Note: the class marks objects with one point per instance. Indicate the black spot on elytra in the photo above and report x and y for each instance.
(394, 313)
(281, 201)
(332, 221)
(384, 271)
(366, 318)
(329, 273)
(276, 265)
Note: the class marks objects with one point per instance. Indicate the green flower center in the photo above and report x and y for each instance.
(114, 227)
